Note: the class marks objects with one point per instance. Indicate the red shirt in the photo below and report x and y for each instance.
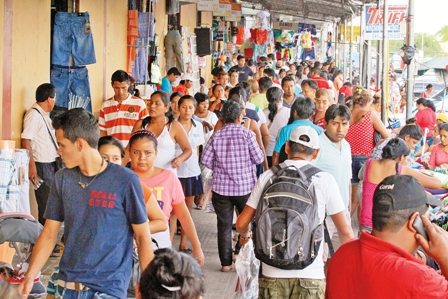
(426, 118)
(360, 137)
(371, 268)
(321, 82)
(181, 88)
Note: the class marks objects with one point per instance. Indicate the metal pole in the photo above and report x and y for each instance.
(351, 49)
(379, 62)
(411, 66)
(361, 49)
(385, 62)
(344, 57)
(369, 63)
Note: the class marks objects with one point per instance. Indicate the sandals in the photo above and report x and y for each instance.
(227, 268)
(186, 250)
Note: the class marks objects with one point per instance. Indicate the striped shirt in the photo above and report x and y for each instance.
(119, 119)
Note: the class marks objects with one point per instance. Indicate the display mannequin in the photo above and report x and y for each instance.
(173, 46)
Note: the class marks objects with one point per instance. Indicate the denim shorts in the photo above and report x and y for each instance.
(357, 163)
(72, 36)
(73, 81)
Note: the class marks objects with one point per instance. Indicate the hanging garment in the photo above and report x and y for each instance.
(262, 36)
(240, 35)
(263, 21)
(131, 36)
(139, 66)
(308, 54)
(7, 168)
(21, 180)
(173, 46)
(70, 80)
(72, 36)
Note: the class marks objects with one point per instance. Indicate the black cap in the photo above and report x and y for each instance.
(240, 57)
(404, 191)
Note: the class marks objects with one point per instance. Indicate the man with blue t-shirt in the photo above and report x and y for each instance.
(167, 81)
(303, 110)
(100, 217)
(244, 72)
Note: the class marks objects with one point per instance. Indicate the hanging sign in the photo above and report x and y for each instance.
(235, 13)
(346, 32)
(224, 9)
(208, 5)
(286, 26)
(373, 21)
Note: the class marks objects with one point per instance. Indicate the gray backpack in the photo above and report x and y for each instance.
(287, 231)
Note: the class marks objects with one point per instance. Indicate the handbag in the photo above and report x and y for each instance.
(59, 163)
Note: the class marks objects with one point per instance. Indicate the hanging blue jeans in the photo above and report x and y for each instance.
(72, 36)
(70, 80)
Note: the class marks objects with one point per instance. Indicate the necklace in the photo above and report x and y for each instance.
(296, 158)
(85, 185)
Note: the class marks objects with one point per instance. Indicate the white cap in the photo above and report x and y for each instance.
(305, 131)
(187, 77)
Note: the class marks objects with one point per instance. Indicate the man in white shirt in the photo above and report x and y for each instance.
(39, 139)
(302, 148)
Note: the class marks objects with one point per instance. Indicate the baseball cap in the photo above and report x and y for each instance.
(443, 117)
(404, 192)
(308, 132)
(187, 77)
(346, 90)
(240, 57)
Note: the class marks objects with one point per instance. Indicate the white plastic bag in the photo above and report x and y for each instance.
(247, 267)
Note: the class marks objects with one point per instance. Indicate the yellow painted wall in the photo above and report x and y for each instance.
(30, 56)
(161, 29)
(31, 59)
(188, 16)
(1, 59)
(109, 29)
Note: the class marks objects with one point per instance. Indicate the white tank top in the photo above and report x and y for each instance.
(166, 151)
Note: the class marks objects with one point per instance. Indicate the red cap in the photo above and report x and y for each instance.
(346, 90)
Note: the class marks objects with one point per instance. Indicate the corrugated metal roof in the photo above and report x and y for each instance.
(317, 10)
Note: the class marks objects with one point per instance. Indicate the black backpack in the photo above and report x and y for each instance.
(287, 231)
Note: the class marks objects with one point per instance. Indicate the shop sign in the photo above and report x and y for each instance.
(346, 33)
(208, 5)
(373, 21)
(286, 26)
(235, 13)
(224, 9)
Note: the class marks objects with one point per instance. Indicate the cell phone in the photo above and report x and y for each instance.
(420, 228)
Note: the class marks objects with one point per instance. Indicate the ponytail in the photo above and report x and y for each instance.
(274, 96)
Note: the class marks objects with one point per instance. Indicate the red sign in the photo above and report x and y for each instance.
(396, 15)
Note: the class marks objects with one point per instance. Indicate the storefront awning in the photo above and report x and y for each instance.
(318, 10)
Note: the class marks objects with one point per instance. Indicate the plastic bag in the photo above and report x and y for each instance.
(247, 267)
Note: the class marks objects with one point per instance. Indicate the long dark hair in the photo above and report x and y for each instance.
(274, 96)
(166, 101)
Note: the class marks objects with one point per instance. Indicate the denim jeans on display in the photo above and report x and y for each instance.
(73, 80)
(224, 207)
(72, 36)
(89, 294)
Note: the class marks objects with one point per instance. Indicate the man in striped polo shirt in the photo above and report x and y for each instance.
(119, 114)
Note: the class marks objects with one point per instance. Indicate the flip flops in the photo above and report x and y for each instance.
(186, 250)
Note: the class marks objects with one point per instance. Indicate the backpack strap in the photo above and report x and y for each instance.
(309, 170)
